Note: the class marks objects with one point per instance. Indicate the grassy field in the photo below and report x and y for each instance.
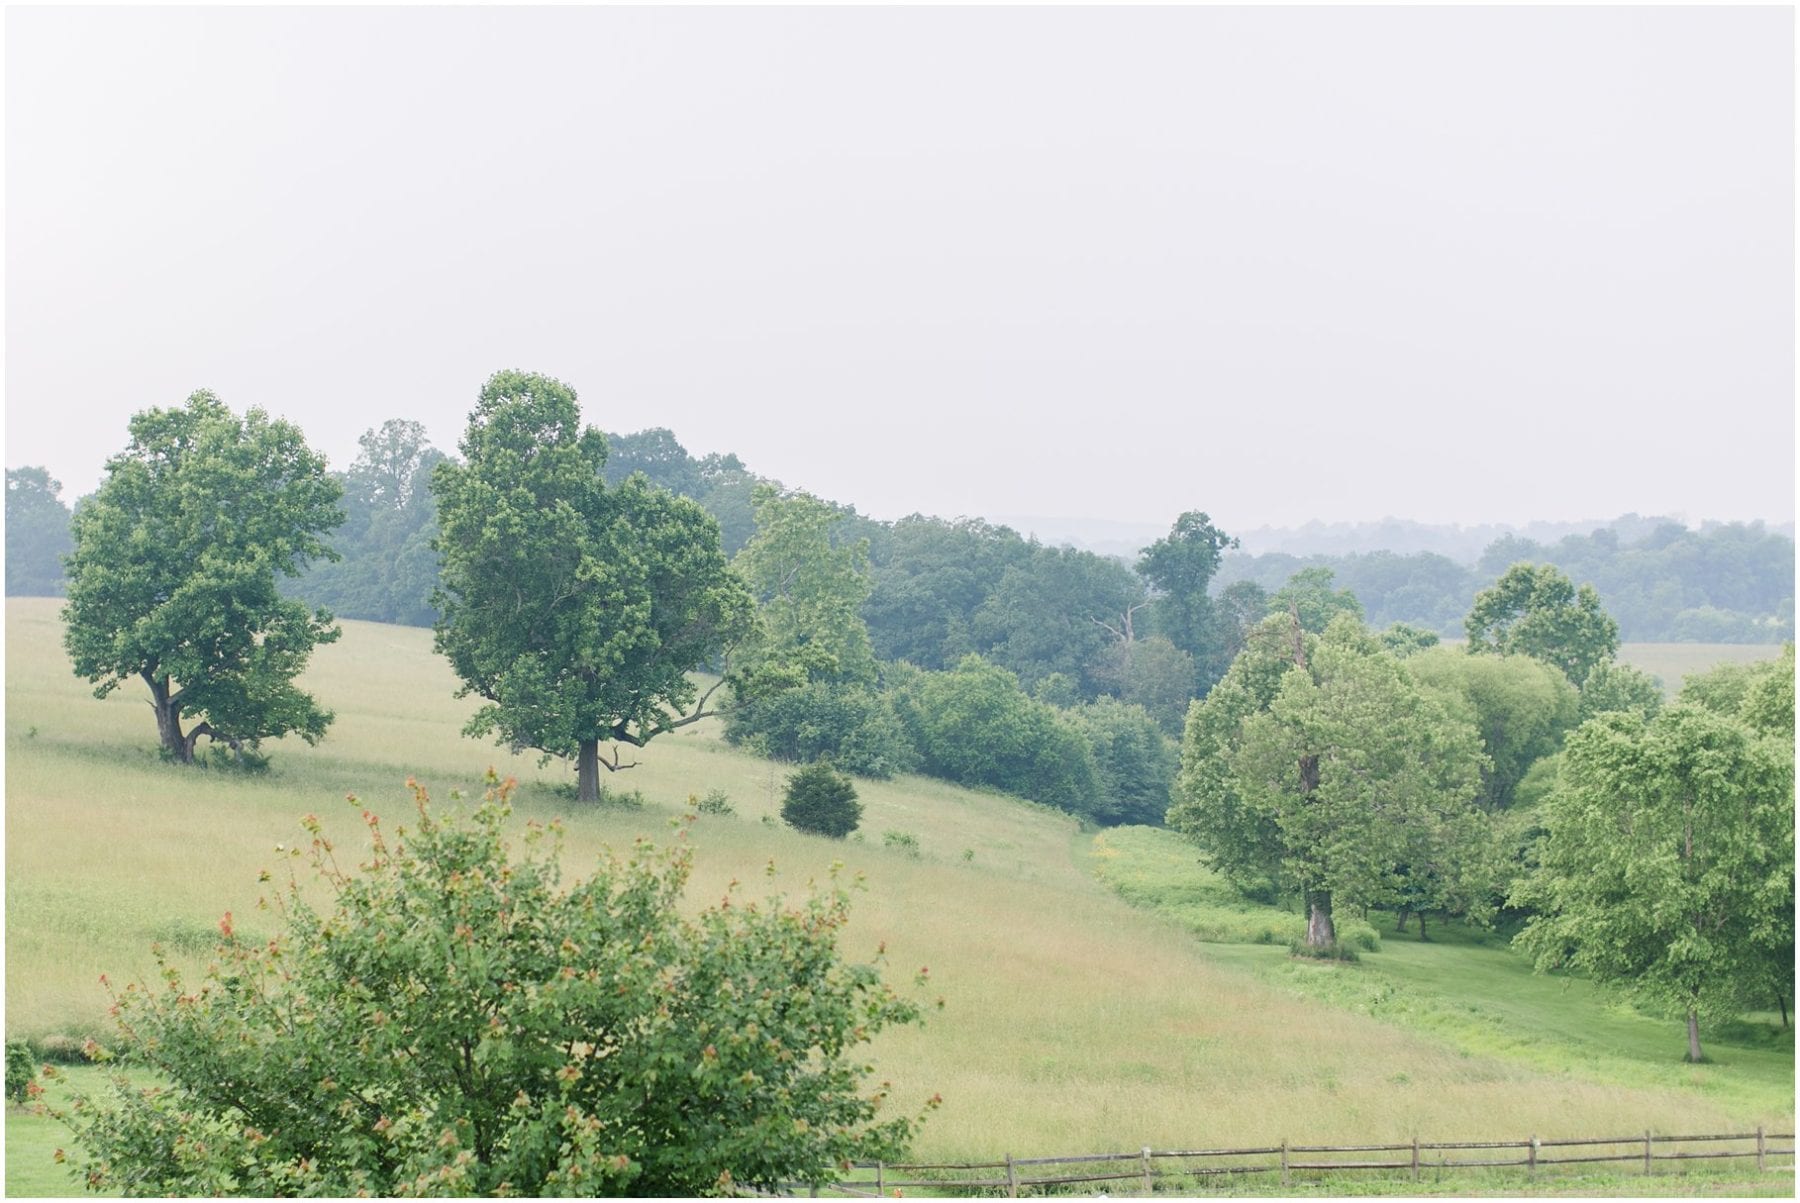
(1073, 1020)
(1674, 661)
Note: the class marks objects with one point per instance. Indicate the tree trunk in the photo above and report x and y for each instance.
(175, 745)
(1693, 1053)
(1422, 934)
(1781, 997)
(1320, 932)
(587, 771)
(1404, 916)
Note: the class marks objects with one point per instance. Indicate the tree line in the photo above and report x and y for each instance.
(1322, 758)
(1662, 582)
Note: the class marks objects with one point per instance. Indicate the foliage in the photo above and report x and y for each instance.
(854, 727)
(821, 801)
(459, 1023)
(1058, 611)
(1403, 639)
(713, 802)
(1134, 761)
(1534, 610)
(173, 574)
(809, 596)
(1309, 593)
(1521, 708)
(1347, 779)
(37, 534)
(929, 584)
(1614, 686)
(1179, 568)
(975, 726)
(388, 568)
(1669, 856)
(901, 841)
(1729, 582)
(575, 610)
(21, 1071)
(1153, 673)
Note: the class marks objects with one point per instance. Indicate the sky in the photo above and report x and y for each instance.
(1455, 265)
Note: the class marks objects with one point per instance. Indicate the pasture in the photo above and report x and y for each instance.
(1071, 1018)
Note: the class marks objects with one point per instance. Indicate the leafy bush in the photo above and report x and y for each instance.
(1340, 951)
(460, 1023)
(854, 727)
(21, 1070)
(974, 725)
(822, 802)
(716, 802)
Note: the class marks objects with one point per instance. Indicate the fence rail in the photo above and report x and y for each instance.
(1012, 1175)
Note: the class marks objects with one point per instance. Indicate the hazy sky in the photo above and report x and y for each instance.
(1450, 264)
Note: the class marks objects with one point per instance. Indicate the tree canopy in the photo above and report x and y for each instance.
(1534, 610)
(173, 574)
(37, 534)
(576, 610)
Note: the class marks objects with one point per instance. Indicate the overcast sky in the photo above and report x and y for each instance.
(1449, 264)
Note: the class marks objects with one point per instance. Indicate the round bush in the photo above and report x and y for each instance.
(822, 802)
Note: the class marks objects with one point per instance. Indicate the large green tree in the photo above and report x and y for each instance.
(1318, 766)
(1521, 707)
(172, 578)
(1668, 860)
(576, 610)
(37, 534)
(1534, 610)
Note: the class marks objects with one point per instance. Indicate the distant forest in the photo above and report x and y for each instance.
(944, 588)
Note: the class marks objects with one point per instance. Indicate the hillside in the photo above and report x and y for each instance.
(1070, 1021)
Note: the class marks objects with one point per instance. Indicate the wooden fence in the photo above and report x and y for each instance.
(1140, 1172)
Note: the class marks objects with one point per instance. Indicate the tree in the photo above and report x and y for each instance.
(1669, 856)
(809, 596)
(388, 570)
(455, 1021)
(37, 534)
(1534, 610)
(173, 574)
(1057, 611)
(1133, 760)
(1348, 774)
(821, 802)
(1614, 686)
(1155, 674)
(576, 610)
(1309, 594)
(974, 725)
(1521, 708)
(1180, 567)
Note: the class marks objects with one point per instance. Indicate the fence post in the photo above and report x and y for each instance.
(1415, 1166)
(1149, 1186)
(1012, 1179)
(1531, 1156)
(879, 1189)
(1761, 1149)
(1284, 1161)
(1646, 1150)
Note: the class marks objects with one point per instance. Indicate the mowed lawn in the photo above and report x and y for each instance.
(1072, 1021)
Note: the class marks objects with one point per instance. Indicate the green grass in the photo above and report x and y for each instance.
(1464, 987)
(1072, 1021)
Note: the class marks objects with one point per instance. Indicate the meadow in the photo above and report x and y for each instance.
(1073, 1018)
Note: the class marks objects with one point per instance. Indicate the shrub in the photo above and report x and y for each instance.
(901, 841)
(1339, 951)
(21, 1070)
(460, 1023)
(714, 803)
(822, 802)
(854, 727)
